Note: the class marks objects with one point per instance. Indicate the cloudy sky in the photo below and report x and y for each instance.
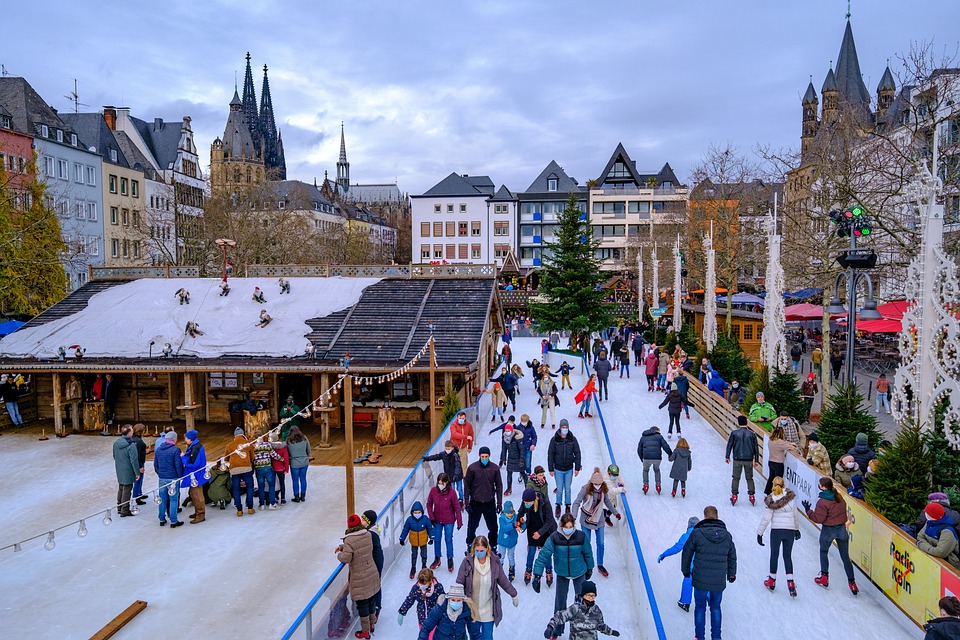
(426, 87)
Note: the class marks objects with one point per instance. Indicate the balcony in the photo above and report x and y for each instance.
(634, 191)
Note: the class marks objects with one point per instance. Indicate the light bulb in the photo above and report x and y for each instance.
(157, 499)
(134, 510)
(173, 489)
(82, 531)
(50, 543)
(193, 480)
(107, 520)
(17, 547)
(206, 474)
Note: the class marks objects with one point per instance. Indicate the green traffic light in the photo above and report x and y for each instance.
(857, 211)
(865, 231)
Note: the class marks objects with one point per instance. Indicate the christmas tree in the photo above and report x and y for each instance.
(842, 419)
(728, 358)
(945, 460)
(451, 405)
(785, 397)
(570, 279)
(900, 486)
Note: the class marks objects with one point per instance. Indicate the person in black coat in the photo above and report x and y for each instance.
(508, 382)
(674, 403)
(451, 461)
(536, 518)
(710, 558)
(369, 520)
(947, 626)
(483, 497)
(651, 449)
(563, 462)
(602, 368)
(110, 392)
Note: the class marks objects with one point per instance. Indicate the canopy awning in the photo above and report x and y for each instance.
(9, 327)
(893, 310)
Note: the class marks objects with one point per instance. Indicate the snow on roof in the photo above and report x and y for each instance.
(122, 320)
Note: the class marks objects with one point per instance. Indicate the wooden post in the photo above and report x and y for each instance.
(188, 399)
(348, 440)
(57, 406)
(434, 418)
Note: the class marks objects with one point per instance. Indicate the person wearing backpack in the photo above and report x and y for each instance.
(795, 353)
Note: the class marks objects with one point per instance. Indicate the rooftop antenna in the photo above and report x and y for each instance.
(74, 97)
(3, 70)
(848, 9)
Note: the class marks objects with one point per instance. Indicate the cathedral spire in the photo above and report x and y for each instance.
(849, 79)
(268, 127)
(250, 102)
(343, 167)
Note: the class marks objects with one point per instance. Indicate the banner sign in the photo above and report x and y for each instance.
(656, 312)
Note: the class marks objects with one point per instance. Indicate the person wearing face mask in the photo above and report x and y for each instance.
(483, 577)
(462, 436)
(590, 503)
(585, 617)
(452, 618)
(508, 382)
(538, 482)
(452, 466)
(418, 531)
(483, 495)
(549, 401)
(529, 442)
(506, 438)
(791, 430)
(356, 551)
(573, 561)
(443, 509)
(737, 395)
(845, 470)
(498, 399)
(424, 594)
(537, 520)
(615, 486)
(563, 461)
(831, 514)
(777, 447)
(686, 587)
(508, 537)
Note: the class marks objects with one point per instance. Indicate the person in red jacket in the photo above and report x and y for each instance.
(831, 513)
(461, 432)
(443, 509)
(281, 468)
(650, 363)
(584, 396)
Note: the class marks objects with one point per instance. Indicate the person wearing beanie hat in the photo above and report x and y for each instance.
(686, 587)
(536, 518)
(515, 459)
(356, 551)
(452, 465)
(290, 415)
(169, 467)
(762, 411)
(240, 456)
(498, 401)
(862, 452)
(650, 450)
(743, 447)
(483, 496)
(506, 437)
(808, 391)
(936, 501)
(508, 537)
(129, 471)
(369, 519)
(585, 617)
(590, 503)
(817, 454)
(194, 468)
(563, 461)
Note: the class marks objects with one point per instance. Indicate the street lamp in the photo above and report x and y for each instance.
(853, 277)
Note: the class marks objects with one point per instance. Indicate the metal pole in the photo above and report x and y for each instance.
(434, 418)
(640, 287)
(851, 311)
(348, 440)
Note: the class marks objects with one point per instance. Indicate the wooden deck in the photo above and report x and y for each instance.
(412, 442)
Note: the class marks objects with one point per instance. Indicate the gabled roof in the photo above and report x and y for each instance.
(374, 193)
(510, 263)
(134, 157)
(503, 195)
(849, 79)
(457, 185)
(667, 175)
(565, 184)
(27, 108)
(298, 192)
(620, 155)
(162, 138)
(92, 130)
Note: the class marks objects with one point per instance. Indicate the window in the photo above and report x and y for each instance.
(436, 208)
(93, 245)
(63, 208)
(638, 207)
(463, 208)
(619, 170)
(449, 208)
(501, 228)
(281, 204)
(748, 332)
(125, 217)
(126, 248)
(113, 155)
(135, 188)
(609, 230)
(615, 209)
(437, 230)
(551, 184)
(114, 217)
(81, 245)
(451, 229)
(123, 187)
(462, 251)
(81, 211)
(475, 251)
(59, 135)
(135, 219)
(736, 330)
(475, 228)
(530, 207)
(438, 251)
(424, 252)
(44, 131)
(92, 211)
(113, 184)
(92, 176)
(78, 173)
(73, 139)
(501, 250)
(63, 169)
(529, 230)
(658, 207)
(451, 251)
(114, 248)
(136, 248)
(48, 167)
(424, 229)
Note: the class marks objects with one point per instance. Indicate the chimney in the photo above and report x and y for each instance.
(110, 115)
(157, 124)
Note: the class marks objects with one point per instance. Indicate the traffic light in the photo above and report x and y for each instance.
(853, 221)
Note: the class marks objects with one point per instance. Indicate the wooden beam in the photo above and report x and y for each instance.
(120, 621)
(434, 418)
(57, 408)
(416, 321)
(348, 443)
(188, 399)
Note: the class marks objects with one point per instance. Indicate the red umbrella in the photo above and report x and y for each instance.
(884, 325)
(806, 311)
(893, 310)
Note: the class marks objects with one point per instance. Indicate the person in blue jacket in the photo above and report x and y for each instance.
(169, 468)
(686, 588)
(452, 619)
(508, 382)
(529, 442)
(419, 531)
(717, 384)
(194, 465)
(507, 538)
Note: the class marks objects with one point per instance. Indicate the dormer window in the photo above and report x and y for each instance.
(281, 205)
(551, 184)
(73, 139)
(59, 135)
(44, 131)
(5, 122)
(113, 155)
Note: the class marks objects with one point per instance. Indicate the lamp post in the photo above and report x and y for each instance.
(855, 264)
(223, 243)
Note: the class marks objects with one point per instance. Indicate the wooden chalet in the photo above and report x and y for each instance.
(747, 327)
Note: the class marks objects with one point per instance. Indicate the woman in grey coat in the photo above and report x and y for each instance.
(298, 447)
(682, 464)
(590, 503)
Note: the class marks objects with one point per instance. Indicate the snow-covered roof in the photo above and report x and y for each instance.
(122, 320)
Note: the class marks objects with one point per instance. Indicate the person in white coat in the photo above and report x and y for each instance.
(781, 516)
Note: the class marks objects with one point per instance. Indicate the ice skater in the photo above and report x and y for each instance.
(686, 588)
(265, 319)
(284, 285)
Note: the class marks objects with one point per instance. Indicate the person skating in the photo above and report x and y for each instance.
(682, 383)
(624, 355)
(240, 454)
(777, 449)
(537, 520)
(450, 457)
(462, 436)
(536, 369)
(615, 487)
(817, 455)
(356, 551)
(663, 362)
(682, 460)
(508, 382)
(589, 505)
(443, 509)
(742, 446)
(650, 364)
(650, 450)
(781, 516)
(563, 461)
(483, 495)
(549, 400)
(482, 576)
(127, 464)
(602, 368)
(516, 461)
(585, 617)
(418, 531)
(452, 619)
(194, 467)
(169, 468)
(425, 595)
(507, 538)
(584, 395)
(686, 587)
(538, 482)
(572, 559)
(138, 430)
(674, 403)
(709, 557)
(506, 437)
(529, 442)
(947, 626)
(498, 400)
(831, 514)
(369, 520)
(564, 373)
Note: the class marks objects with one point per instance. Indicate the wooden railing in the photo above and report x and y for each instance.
(135, 273)
(718, 412)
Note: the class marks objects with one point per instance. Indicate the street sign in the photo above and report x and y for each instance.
(656, 312)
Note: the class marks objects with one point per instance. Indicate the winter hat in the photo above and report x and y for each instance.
(759, 395)
(692, 521)
(934, 511)
(456, 591)
(673, 386)
(290, 399)
(810, 376)
(238, 432)
(939, 497)
(588, 587)
(370, 517)
(564, 423)
(484, 450)
(171, 435)
(742, 420)
(353, 521)
(508, 507)
(508, 427)
(496, 385)
(191, 435)
(529, 495)
(861, 438)
(813, 436)
(597, 477)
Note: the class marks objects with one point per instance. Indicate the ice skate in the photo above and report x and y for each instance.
(753, 499)
(435, 563)
(854, 589)
(770, 583)
(823, 580)
(792, 588)
(733, 499)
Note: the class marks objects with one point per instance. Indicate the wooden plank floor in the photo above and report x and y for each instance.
(412, 442)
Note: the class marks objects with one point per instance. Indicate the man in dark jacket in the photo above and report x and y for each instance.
(169, 467)
(508, 382)
(716, 564)
(651, 449)
(683, 386)
(11, 398)
(602, 368)
(128, 469)
(369, 519)
(535, 516)
(563, 462)
(110, 393)
(483, 497)
(742, 445)
(862, 452)
(194, 465)
(450, 457)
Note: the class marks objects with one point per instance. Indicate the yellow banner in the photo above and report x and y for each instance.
(860, 528)
(907, 575)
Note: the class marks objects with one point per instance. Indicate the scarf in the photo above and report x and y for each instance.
(591, 506)
(536, 482)
(828, 495)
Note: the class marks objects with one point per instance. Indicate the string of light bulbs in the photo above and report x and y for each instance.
(173, 487)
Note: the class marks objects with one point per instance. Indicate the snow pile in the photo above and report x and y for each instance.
(122, 320)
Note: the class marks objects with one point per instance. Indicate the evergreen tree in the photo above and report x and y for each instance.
(32, 276)
(785, 396)
(728, 358)
(900, 486)
(570, 279)
(689, 339)
(842, 419)
(945, 459)
(451, 405)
